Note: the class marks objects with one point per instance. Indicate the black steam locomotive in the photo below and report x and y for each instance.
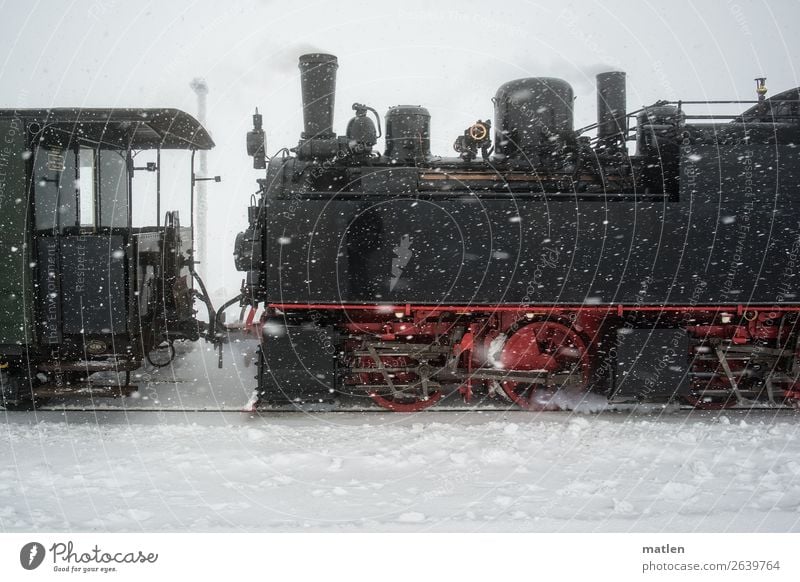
(540, 259)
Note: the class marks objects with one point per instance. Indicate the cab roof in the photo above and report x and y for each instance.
(137, 128)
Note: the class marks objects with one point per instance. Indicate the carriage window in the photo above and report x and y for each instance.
(55, 198)
(113, 188)
(67, 196)
(86, 186)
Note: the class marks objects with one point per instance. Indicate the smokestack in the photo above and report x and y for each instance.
(318, 80)
(611, 121)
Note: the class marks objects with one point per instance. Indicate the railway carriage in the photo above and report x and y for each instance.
(85, 295)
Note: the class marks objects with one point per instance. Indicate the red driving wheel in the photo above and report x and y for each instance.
(410, 398)
(549, 346)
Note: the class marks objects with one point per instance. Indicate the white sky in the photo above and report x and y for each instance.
(449, 56)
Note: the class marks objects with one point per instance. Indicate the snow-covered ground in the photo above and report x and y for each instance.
(502, 470)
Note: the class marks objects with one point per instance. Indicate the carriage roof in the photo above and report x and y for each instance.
(137, 128)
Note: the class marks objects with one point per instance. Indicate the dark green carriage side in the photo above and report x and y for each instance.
(73, 264)
(16, 301)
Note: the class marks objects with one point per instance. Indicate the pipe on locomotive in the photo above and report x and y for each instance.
(612, 123)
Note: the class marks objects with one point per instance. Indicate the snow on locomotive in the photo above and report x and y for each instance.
(539, 260)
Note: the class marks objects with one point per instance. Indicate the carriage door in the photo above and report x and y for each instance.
(15, 258)
(82, 210)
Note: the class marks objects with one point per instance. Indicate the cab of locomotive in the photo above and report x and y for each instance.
(92, 293)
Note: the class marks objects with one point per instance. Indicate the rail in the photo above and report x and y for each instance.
(630, 132)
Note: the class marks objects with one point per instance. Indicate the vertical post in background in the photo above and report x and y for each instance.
(200, 87)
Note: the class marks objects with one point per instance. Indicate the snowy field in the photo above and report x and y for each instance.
(122, 469)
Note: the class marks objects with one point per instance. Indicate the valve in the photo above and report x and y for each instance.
(361, 129)
(761, 87)
(476, 136)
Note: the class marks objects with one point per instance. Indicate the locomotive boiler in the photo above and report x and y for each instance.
(651, 255)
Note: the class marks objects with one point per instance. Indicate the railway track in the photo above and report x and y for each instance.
(648, 408)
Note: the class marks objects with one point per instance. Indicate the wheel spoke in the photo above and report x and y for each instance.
(404, 391)
(543, 345)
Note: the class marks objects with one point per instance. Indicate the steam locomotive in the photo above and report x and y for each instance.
(85, 296)
(633, 260)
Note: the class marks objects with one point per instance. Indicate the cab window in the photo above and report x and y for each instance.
(87, 190)
(55, 174)
(113, 188)
(83, 187)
